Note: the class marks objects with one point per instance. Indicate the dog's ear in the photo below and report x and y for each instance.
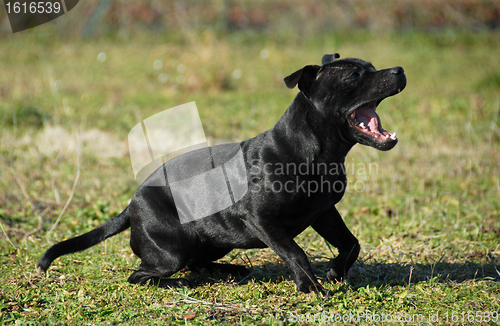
(329, 58)
(303, 77)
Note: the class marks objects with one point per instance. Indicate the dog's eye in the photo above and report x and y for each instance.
(354, 75)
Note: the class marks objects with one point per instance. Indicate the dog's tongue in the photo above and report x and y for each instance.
(368, 117)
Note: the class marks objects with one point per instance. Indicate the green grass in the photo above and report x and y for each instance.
(428, 220)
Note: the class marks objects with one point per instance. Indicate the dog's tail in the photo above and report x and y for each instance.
(115, 225)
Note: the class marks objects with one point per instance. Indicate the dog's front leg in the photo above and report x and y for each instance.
(284, 246)
(331, 226)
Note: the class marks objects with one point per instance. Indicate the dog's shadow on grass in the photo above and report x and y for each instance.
(378, 273)
(363, 274)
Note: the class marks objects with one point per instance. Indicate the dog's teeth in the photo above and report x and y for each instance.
(362, 125)
(399, 90)
(393, 136)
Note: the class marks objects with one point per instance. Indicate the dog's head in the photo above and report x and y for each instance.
(347, 93)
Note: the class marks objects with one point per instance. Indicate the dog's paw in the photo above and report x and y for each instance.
(334, 276)
(310, 287)
(336, 272)
(324, 292)
(173, 283)
(143, 277)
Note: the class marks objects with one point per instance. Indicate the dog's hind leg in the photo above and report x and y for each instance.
(157, 265)
(163, 248)
(331, 226)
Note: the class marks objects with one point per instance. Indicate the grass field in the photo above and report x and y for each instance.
(428, 218)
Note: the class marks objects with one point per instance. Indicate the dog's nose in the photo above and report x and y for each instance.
(397, 71)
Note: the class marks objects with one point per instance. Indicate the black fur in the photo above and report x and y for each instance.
(320, 127)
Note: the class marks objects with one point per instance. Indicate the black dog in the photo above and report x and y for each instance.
(284, 169)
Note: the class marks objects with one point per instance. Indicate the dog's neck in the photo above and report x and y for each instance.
(324, 144)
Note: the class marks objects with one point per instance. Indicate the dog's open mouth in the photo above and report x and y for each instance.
(367, 121)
